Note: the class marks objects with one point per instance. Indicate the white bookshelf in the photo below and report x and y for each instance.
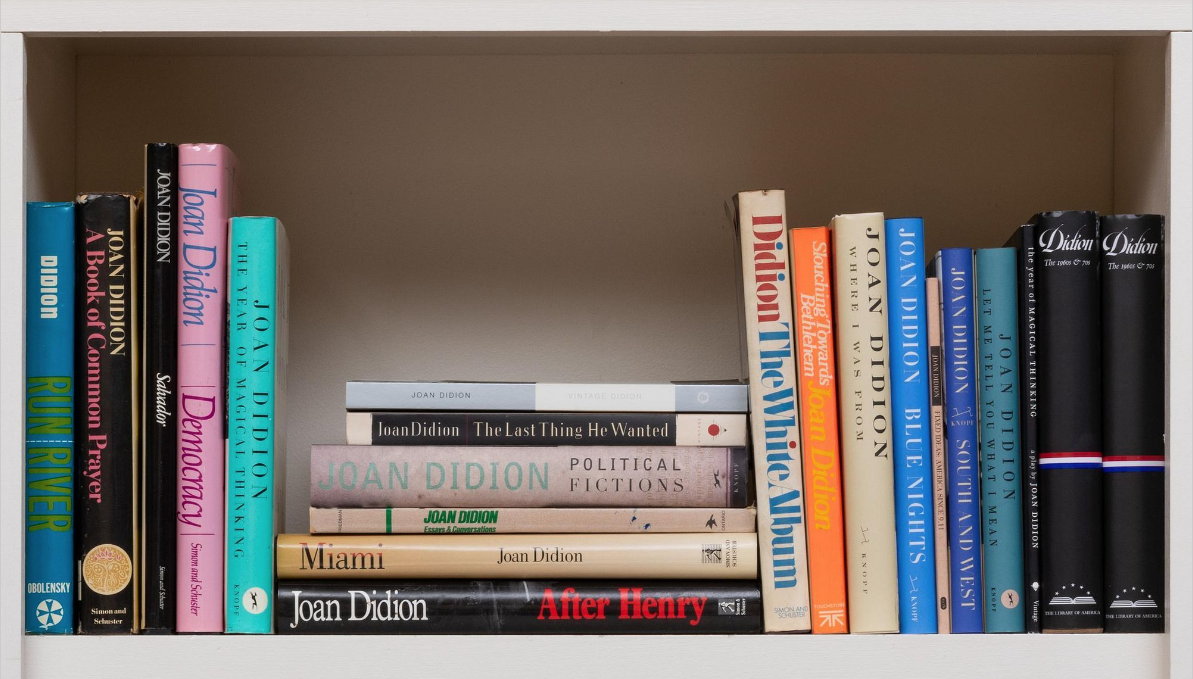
(533, 190)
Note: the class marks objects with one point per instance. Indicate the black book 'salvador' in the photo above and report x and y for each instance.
(1069, 363)
(1029, 433)
(517, 607)
(1133, 420)
(106, 410)
(160, 426)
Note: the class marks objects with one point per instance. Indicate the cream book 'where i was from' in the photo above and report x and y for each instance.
(863, 375)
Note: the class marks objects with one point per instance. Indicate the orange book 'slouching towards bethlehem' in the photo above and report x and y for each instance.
(813, 309)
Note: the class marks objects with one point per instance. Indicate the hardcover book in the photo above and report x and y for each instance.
(911, 430)
(860, 271)
(678, 397)
(940, 494)
(998, 408)
(518, 607)
(513, 476)
(729, 556)
(769, 342)
(49, 417)
(1070, 403)
(546, 429)
(107, 408)
(954, 271)
(410, 520)
(206, 197)
(812, 302)
(257, 342)
(1029, 423)
(1133, 420)
(159, 426)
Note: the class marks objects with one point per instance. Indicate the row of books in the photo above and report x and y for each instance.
(497, 508)
(943, 493)
(997, 416)
(155, 330)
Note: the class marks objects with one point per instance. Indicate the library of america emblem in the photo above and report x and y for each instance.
(710, 554)
(107, 569)
(1072, 595)
(49, 613)
(1126, 599)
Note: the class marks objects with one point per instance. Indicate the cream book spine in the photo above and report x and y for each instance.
(730, 556)
(774, 413)
(864, 394)
(432, 520)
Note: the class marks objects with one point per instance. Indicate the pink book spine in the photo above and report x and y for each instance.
(206, 200)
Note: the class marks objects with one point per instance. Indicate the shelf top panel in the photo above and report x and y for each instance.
(79, 17)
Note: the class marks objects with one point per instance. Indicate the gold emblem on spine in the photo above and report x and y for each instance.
(107, 569)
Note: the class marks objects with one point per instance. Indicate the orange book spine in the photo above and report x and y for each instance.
(811, 283)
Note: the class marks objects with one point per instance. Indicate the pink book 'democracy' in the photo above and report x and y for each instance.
(206, 201)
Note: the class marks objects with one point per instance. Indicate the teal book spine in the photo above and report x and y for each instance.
(257, 300)
(998, 409)
(49, 417)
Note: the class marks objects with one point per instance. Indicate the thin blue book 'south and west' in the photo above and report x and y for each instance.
(954, 270)
(910, 409)
(998, 407)
(49, 417)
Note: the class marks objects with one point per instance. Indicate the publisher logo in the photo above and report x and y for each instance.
(255, 600)
(731, 607)
(107, 569)
(711, 554)
(1127, 599)
(49, 613)
(1010, 598)
(1072, 595)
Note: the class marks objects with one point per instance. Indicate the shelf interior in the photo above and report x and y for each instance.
(553, 207)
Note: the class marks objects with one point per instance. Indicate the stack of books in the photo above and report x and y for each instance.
(491, 508)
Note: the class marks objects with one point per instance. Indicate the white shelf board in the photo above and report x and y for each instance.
(808, 16)
(1140, 656)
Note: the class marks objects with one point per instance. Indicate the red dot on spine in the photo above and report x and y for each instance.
(713, 430)
(791, 444)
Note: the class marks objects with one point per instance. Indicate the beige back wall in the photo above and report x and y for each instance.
(562, 217)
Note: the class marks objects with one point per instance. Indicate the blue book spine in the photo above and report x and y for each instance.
(910, 412)
(954, 270)
(49, 417)
(998, 407)
(256, 371)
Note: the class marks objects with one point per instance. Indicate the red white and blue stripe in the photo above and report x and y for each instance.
(1133, 463)
(1071, 460)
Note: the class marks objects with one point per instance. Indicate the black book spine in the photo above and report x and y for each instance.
(107, 408)
(1133, 420)
(1029, 424)
(160, 311)
(1070, 419)
(517, 607)
(546, 429)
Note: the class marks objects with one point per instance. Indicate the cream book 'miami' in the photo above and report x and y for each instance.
(728, 556)
(769, 346)
(865, 406)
